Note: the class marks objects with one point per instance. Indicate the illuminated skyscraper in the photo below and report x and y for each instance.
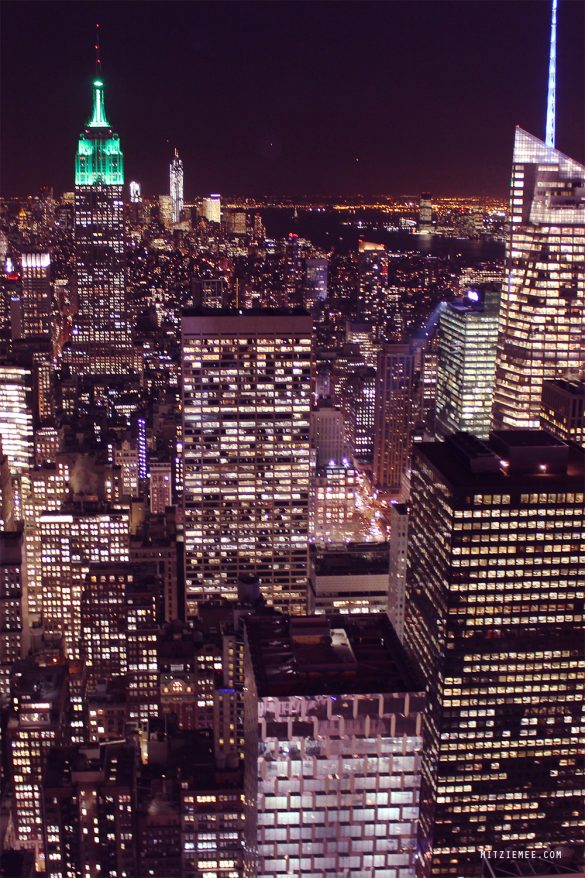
(425, 213)
(31, 313)
(78, 535)
(468, 333)
(373, 285)
(542, 316)
(135, 196)
(333, 721)
(16, 419)
(315, 284)
(494, 616)
(211, 208)
(246, 408)
(102, 320)
(176, 186)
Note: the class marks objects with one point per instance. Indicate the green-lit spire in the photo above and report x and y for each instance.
(98, 119)
(99, 157)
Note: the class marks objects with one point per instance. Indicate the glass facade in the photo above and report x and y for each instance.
(542, 316)
(468, 334)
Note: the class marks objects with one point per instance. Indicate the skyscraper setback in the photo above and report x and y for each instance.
(102, 319)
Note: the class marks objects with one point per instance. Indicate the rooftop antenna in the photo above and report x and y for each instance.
(98, 60)
(552, 79)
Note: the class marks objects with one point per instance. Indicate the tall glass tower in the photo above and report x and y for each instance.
(102, 320)
(176, 186)
(542, 316)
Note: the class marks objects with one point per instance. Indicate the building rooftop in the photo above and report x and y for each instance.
(322, 655)
(357, 559)
(528, 460)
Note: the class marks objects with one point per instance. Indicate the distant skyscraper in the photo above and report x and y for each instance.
(211, 208)
(373, 285)
(32, 314)
(246, 407)
(135, 195)
(176, 186)
(102, 319)
(468, 334)
(563, 409)
(496, 553)
(333, 720)
(542, 316)
(315, 286)
(425, 213)
(396, 405)
(16, 419)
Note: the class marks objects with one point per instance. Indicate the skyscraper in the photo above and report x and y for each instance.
(425, 214)
(246, 408)
(494, 615)
(396, 392)
(211, 208)
(468, 333)
(32, 312)
(16, 419)
(333, 720)
(102, 319)
(78, 535)
(176, 186)
(542, 317)
(373, 285)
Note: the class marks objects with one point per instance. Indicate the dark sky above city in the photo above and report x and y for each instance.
(290, 97)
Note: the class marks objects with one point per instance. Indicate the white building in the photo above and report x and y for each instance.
(211, 208)
(333, 723)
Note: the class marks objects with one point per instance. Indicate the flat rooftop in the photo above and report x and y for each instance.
(369, 560)
(531, 461)
(328, 655)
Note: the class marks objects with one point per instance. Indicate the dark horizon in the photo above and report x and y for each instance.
(267, 98)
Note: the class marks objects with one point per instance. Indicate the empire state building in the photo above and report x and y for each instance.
(101, 325)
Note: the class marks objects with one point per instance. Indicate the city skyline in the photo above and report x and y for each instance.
(258, 98)
(292, 510)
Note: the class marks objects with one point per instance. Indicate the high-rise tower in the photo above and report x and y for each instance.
(176, 186)
(102, 319)
(494, 617)
(246, 408)
(542, 316)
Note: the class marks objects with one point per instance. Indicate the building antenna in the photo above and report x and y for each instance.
(552, 79)
(98, 60)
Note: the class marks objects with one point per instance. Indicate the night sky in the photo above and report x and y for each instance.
(290, 97)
